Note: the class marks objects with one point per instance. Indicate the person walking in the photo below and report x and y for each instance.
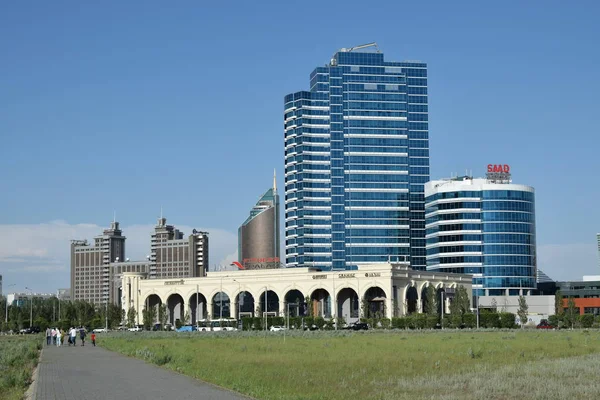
(48, 336)
(73, 333)
(58, 337)
(93, 337)
(82, 336)
(53, 336)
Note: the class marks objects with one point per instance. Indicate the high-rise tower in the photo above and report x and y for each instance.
(356, 160)
(258, 236)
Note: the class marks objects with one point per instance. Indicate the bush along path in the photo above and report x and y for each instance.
(19, 356)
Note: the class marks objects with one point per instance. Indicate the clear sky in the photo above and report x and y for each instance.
(130, 107)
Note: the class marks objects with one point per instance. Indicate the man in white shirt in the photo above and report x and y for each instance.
(73, 334)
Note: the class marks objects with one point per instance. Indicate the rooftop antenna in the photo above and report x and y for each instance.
(114, 216)
(160, 212)
(274, 180)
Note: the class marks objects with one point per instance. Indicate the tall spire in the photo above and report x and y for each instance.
(274, 180)
(114, 216)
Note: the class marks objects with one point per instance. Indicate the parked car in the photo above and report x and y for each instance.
(359, 326)
(187, 328)
(100, 330)
(277, 328)
(544, 324)
(137, 328)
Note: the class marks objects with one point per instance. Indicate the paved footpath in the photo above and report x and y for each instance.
(88, 373)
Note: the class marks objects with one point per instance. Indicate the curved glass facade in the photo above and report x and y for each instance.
(488, 232)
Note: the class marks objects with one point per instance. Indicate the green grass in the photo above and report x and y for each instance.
(381, 365)
(18, 357)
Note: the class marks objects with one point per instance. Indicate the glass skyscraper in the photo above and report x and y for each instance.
(356, 160)
(484, 228)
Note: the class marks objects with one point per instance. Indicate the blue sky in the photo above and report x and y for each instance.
(130, 107)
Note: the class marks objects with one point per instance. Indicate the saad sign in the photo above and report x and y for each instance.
(498, 173)
(258, 263)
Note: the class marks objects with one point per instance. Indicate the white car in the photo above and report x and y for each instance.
(135, 329)
(277, 328)
(100, 330)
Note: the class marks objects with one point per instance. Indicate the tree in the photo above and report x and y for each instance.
(558, 303)
(494, 305)
(131, 315)
(571, 313)
(148, 318)
(523, 308)
(461, 304)
(187, 318)
(431, 305)
(163, 317)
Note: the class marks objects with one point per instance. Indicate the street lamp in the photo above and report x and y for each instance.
(31, 308)
(6, 317)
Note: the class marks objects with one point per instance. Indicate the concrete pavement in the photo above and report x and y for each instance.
(88, 373)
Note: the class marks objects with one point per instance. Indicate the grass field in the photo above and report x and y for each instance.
(18, 357)
(381, 364)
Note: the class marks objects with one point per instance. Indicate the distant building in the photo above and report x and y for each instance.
(258, 236)
(18, 299)
(90, 272)
(172, 256)
(116, 272)
(63, 294)
(484, 227)
(586, 295)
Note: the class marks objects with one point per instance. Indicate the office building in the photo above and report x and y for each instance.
(173, 256)
(484, 227)
(63, 294)
(90, 265)
(356, 161)
(117, 269)
(258, 236)
(598, 240)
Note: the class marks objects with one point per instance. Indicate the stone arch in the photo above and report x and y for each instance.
(221, 306)
(320, 303)
(198, 307)
(412, 298)
(424, 295)
(244, 302)
(295, 299)
(348, 305)
(272, 306)
(175, 308)
(375, 302)
(152, 302)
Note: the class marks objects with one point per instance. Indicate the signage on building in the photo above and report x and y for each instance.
(319, 276)
(259, 263)
(498, 173)
(179, 282)
(347, 275)
(372, 274)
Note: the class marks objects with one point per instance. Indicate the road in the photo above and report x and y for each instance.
(88, 373)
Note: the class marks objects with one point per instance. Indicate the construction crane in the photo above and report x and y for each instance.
(362, 46)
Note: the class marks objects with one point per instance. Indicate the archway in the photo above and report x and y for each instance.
(348, 305)
(272, 303)
(245, 305)
(424, 298)
(175, 308)
(375, 302)
(321, 303)
(198, 308)
(152, 303)
(294, 302)
(412, 296)
(221, 306)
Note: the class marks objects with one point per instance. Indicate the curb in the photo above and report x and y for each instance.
(31, 392)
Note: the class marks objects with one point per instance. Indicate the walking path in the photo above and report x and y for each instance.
(87, 373)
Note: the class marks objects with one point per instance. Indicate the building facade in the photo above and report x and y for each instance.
(356, 160)
(90, 265)
(387, 289)
(485, 228)
(259, 235)
(19, 299)
(173, 256)
(598, 240)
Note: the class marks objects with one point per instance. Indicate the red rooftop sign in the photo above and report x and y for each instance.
(498, 173)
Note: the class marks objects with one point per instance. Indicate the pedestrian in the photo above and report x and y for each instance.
(48, 336)
(73, 333)
(93, 339)
(58, 337)
(53, 336)
(82, 336)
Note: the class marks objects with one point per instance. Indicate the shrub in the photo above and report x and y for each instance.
(507, 320)
(586, 320)
(431, 321)
(386, 323)
(399, 322)
(470, 320)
